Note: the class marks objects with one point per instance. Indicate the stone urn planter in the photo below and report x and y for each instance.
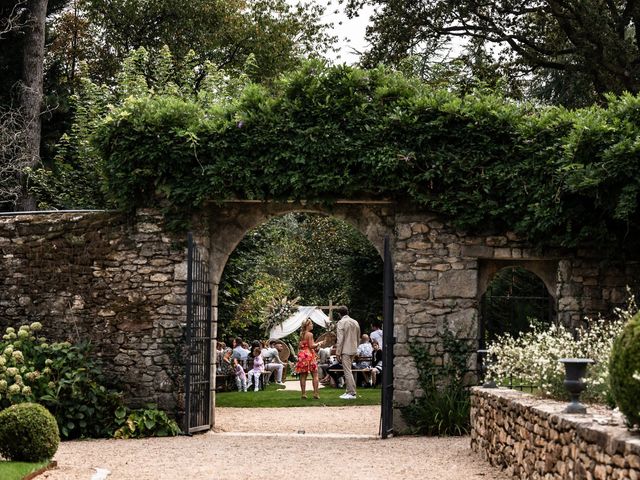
(575, 369)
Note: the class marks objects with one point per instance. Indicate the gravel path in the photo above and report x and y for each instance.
(258, 444)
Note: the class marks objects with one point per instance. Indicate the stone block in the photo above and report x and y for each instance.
(464, 324)
(419, 228)
(477, 251)
(457, 284)
(496, 241)
(418, 290)
(418, 245)
(403, 232)
(159, 277)
(501, 252)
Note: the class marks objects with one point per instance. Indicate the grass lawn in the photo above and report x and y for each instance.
(275, 396)
(18, 470)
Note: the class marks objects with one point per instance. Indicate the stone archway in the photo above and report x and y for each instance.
(228, 224)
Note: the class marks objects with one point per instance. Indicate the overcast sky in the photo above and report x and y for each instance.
(350, 33)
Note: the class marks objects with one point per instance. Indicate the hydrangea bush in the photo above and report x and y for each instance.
(62, 377)
(69, 382)
(25, 370)
(533, 358)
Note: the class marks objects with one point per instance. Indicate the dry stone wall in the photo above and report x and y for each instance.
(532, 439)
(120, 282)
(100, 277)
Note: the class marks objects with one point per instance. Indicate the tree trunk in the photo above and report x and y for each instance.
(32, 73)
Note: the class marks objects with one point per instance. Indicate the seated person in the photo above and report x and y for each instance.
(324, 355)
(376, 364)
(363, 358)
(240, 352)
(272, 362)
(334, 371)
(256, 369)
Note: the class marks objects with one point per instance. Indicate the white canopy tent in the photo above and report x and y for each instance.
(293, 323)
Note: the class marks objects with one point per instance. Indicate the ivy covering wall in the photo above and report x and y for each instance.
(560, 177)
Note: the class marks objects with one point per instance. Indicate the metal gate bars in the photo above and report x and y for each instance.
(388, 340)
(198, 342)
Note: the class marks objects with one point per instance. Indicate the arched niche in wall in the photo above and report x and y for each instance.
(514, 294)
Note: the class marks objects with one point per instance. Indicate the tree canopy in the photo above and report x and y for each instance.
(91, 39)
(591, 45)
(312, 257)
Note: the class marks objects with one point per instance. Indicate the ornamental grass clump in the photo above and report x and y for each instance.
(624, 370)
(28, 433)
(533, 357)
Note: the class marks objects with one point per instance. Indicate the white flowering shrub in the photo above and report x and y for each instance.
(533, 358)
(24, 370)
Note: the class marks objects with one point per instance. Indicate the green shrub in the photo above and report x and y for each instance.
(445, 407)
(62, 377)
(144, 422)
(624, 371)
(28, 433)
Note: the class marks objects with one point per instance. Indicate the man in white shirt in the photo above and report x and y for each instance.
(272, 362)
(376, 333)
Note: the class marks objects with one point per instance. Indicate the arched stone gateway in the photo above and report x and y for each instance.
(121, 282)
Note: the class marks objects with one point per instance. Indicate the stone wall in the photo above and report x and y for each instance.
(116, 282)
(532, 439)
(120, 282)
(442, 273)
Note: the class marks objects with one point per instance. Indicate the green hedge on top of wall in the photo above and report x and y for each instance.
(560, 177)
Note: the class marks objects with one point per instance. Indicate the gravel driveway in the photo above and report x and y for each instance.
(338, 443)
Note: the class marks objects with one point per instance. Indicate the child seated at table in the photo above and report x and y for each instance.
(241, 377)
(258, 368)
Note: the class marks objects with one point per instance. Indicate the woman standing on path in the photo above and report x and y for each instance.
(307, 359)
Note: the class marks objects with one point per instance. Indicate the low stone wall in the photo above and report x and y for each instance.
(532, 439)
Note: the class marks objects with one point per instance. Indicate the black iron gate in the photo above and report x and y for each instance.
(388, 340)
(513, 299)
(198, 342)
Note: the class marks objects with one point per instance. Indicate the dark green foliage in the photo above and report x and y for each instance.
(28, 433)
(144, 422)
(81, 401)
(624, 371)
(65, 378)
(314, 257)
(559, 177)
(68, 380)
(445, 408)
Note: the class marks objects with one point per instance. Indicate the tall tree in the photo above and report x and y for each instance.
(22, 46)
(590, 43)
(31, 90)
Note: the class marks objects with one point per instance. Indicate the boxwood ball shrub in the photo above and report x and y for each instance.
(624, 371)
(28, 433)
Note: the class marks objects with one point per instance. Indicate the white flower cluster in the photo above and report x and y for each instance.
(533, 358)
(18, 375)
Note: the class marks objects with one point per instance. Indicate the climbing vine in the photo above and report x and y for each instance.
(560, 177)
